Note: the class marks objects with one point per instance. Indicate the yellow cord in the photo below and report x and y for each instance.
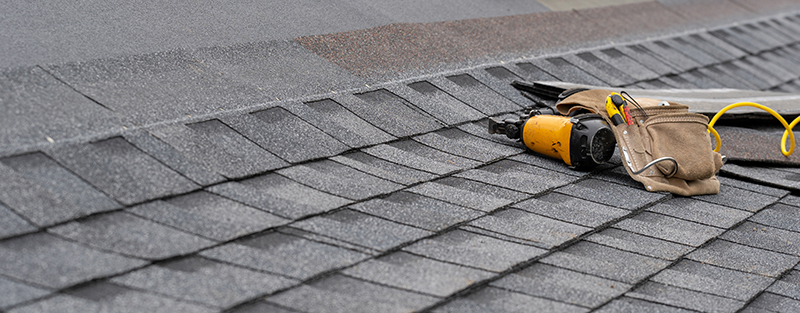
(787, 133)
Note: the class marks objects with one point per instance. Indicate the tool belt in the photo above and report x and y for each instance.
(666, 149)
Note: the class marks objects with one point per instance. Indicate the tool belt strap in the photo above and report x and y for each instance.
(659, 132)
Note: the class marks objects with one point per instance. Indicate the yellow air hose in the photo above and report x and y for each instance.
(787, 133)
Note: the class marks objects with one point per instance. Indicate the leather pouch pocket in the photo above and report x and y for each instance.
(683, 137)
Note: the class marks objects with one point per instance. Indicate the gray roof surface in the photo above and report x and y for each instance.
(312, 171)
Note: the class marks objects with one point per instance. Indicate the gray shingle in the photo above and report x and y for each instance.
(542, 280)
(573, 210)
(788, 285)
(362, 229)
(111, 298)
(284, 255)
(531, 72)
(52, 262)
(549, 163)
(131, 235)
(736, 40)
(700, 212)
(12, 224)
(297, 232)
(771, 69)
(743, 258)
(775, 303)
(338, 122)
(436, 102)
(775, 192)
(518, 176)
(458, 142)
(669, 228)
(565, 71)
(714, 280)
(701, 79)
(285, 135)
(739, 198)
(208, 215)
(384, 169)
(751, 80)
(121, 170)
(594, 259)
(418, 156)
(474, 250)
(474, 93)
(631, 305)
(492, 299)
(481, 188)
(648, 59)
(419, 211)
(171, 157)
(790, 200)
(261, 307)
(684, 298)
(694, 53)
(769, 78)
(389, 112)
(697, 42)
(780, 216)
(765, 237)
(773, 176)
(539, 230)
(593, 65)
(279, 195)
(500, 82)
(710, 43)
(610, 194)
(343, 294)
(632, 242)
(615, 58)
(13, 293)
(410, 272)
(483, 201)
(218, 147)
(197, 279)
(338, 179)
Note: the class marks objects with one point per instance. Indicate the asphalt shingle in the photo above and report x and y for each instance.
(343, 294)
(384, 169)
(736, 40)
(498, 300)
(700, 212)
(458, 142)
(335, 120)
(650, 61)
(171, 157)
(606, 262)
(684, 298)
(279, 195)
(631, 305)
(131, 235)
(474, 93)
(775, 192)
(501, 84)
(415, 273)
(46, 260)
(418, 211)
(517, 176)
(788, 286)
(362, 229)
(714, 280)
(565, 71)
(389, 112)
(593, 65)
(338, 179)
(538, 230)
(549, 163)
(740, 199)
(483, 201)
(208, 215)
(13, 293)
(11, 224)
(285, 255)
(476, 187)
(218, 147)
(743, 258)
(436, 102)
(532, 72)
(765, 237)
(644, 245)
(669, 228)
(550, 282)
(418, 156)
(121, 170)
(612, 194)
(197, 279)
(569, 209)
(779, 216)
(752, 79)
(474, 250)
(285, 135)
(774, 303)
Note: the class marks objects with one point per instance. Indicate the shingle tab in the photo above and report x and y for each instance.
(610, 194)
(632, 242)
(279, 195)
(540, 231)
(362, 229)
(501, 84)
(208, 215)
(410, 272)
(437, 102)
(700, 212)
(11, 224)
(765, 237)
(121, 170)
(593, 65)
(483, 201)
(172, 158)
(474, 93)
(335, 120)
(684, 298)
(498, 300)
(111, 298)
(481, 188)
(389, 112)
(384, 169)
(546, 281)
(197, 279)
(419, 211)
(788, 285)
(458, 142)
(739, 198)
(645, 58)
(564, 71)
(338, 179)
(474, 250)
(623, 63)
(49, 261)
(343, 294)
(631, 305)
(566, 208)
(669, 228)
(549, 163)
(285, 135)
(284, 255)
(594, 259)
(714, 280)
(418, 156)
(743, 258)
(736, 40)
(780, 216)
(533, 73)
(13, 293)
(218, 148)
(775, 303)
(128, 234)
(517, 176)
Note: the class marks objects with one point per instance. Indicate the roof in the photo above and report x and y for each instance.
(352, 171)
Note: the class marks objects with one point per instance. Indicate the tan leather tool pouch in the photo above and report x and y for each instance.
(659, 131)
